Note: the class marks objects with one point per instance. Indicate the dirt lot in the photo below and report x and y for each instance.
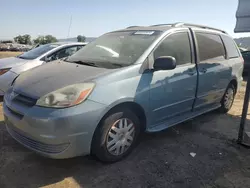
(161, 160)
(8, 54)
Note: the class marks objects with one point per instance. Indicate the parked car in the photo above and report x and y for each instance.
(242, 49)
(246, 57)
(11, 67)
(125, 82)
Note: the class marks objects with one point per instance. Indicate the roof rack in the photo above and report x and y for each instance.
(161, 25)
(132, 26)
(181, 24)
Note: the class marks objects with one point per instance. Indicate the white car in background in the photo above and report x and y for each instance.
(11, 67)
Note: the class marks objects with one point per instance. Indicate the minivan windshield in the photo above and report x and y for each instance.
(115, 49)
(38, 51)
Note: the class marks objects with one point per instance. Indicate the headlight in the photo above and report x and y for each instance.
(2, 71)
(67, 96)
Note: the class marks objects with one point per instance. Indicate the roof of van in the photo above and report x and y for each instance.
(165, 27)
(70, 43)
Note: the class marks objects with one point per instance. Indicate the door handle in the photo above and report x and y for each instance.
(191, 72)
(203, 70)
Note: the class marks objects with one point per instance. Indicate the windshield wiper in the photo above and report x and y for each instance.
(20, 57)
(117, 64)
(83, 63)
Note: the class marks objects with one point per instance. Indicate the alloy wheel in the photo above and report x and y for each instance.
(120, 136)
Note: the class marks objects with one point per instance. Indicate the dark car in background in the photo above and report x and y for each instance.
(246, 57)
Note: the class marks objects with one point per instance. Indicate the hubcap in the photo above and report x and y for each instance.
(229, 97)
(120, 136)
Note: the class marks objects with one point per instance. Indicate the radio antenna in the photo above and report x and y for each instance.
(70, 22)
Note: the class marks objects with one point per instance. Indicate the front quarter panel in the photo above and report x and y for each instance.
(126, 85)
(5, 81)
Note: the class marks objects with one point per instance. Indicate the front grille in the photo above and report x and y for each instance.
(18, 115)
(38, 146)
(25, 100)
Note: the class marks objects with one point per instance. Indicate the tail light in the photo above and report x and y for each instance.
(242, 59)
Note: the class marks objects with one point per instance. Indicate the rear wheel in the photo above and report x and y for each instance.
(116, 136)
(228, 99)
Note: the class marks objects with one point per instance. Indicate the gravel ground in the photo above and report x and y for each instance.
(4, 54)
(160, 160)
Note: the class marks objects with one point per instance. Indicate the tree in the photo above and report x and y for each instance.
(39, 40)
(81, 38)
(27, 39)
(45, 39)
(23, 39)
(18, 39)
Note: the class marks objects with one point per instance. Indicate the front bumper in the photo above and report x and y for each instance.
(54, 133)
(5, 81)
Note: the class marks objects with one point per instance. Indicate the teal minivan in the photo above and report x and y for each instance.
(137, 79)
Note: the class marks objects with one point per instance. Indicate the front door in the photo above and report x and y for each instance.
(213, 69)
(172, 92)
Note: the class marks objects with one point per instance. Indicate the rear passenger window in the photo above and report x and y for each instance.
(210, 47)
(232, 50)
(176, 45)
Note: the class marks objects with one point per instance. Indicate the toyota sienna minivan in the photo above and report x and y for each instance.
(99, 100)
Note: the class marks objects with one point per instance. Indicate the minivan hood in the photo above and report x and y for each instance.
(55, 75)
(12, 62)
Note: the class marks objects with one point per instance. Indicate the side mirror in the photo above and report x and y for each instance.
(48, 59)
(165, 63)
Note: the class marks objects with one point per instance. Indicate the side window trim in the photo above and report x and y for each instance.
(58, 50)
(50, 54)
(224, 46)
(190, 45)
(195, 32)
(61, 49)
(234, 57)
(225, 39)
(235, 45)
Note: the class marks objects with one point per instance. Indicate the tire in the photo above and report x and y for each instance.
(114, 133)
(228, 99)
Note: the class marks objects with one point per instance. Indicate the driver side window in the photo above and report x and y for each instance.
(65, 52)
(176, 45)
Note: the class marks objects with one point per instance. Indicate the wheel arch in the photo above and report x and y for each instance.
(133, 106)
(235, 84)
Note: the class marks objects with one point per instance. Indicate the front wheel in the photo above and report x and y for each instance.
(228, 99)
(116, 136)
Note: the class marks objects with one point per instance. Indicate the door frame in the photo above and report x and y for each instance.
(197, 57)
(149, 62)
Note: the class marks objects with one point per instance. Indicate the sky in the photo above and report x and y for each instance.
(93, 18)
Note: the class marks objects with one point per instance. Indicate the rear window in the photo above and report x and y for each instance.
(232, 50)
(210, 47)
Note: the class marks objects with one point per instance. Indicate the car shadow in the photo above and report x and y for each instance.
(245, 76)
(160, 160)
